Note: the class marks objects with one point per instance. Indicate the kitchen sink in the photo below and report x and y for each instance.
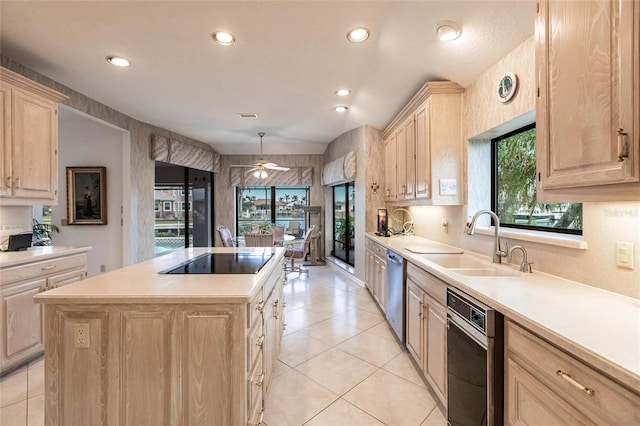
(484, 272)
(456, 261)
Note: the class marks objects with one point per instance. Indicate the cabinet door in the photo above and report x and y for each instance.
(5, 141)
(401, 167)
(390, 169)
(437, 347)
(370, 265)
(414, 321)
(35, 147)
(22, 323)
(422, 153)
(410, 159)
(585, 112)
(382, 282)
(66, 278)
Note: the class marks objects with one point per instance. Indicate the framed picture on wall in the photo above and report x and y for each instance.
(87, 195)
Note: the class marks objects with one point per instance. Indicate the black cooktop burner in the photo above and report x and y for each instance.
(221, 263)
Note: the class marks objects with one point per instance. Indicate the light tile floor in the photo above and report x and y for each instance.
(339, 365)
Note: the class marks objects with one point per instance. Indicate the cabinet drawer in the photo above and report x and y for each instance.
(254, 385)
(37, 269)
(433, 286)
(380, 251)
(254, 309)
(66, 278)
(610, 402)
(255, 342)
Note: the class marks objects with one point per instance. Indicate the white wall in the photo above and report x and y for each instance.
(84, 141)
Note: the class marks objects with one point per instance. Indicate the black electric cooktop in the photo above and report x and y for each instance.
(221, 263)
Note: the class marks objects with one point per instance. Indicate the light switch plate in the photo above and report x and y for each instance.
(624, 254)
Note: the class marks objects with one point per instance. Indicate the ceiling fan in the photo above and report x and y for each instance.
(260, 167)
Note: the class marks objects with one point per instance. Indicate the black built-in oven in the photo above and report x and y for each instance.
(474, 362)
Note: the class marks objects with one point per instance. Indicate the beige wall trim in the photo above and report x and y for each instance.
(295, 176)
(340, 170)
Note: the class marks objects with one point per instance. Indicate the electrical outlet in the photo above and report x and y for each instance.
(82, 335)
(624, 254)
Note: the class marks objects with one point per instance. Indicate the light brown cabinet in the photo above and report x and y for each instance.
(376, 271)
(588, 107)
(206, 362)
(429, 150)
(29, 170)
(426, 327)
(20, 318)
(544, 385)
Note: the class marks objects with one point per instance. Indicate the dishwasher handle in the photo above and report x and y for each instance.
(394, 258)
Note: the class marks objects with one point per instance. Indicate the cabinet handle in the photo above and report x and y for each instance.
(260, 380)
(420, 313)
(574, 383)
(48, 268)
(388, 192)
(623, 145)
(8, 181)
(260, 306)
(260, 341)
(17, 182)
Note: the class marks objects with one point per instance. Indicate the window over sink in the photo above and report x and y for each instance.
(514, 187)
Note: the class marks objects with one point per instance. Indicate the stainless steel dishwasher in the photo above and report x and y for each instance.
(474, 362)
(394, 302)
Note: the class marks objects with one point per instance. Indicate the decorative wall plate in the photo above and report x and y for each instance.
(507, 86)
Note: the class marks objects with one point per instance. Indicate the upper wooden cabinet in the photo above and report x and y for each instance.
(588, 109)
(29, 144)
(428, 162)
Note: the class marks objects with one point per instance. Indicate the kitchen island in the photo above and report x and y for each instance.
(136, 346)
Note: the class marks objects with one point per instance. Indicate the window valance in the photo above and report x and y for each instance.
(183, 154)
(295, 176)
(340, 170)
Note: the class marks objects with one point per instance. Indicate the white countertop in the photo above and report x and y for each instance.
(600, 327)
(142, 282)
(36, 254)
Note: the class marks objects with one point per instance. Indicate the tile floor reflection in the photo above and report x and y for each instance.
(339, 365)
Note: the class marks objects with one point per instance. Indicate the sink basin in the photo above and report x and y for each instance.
(456, 261)
(484, 272)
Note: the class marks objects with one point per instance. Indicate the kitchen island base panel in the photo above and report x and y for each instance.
(172, 364)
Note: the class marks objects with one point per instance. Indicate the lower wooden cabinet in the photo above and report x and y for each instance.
(166, 363)
(426, 327)
(376, 271)
(544, 385)
(21, 319)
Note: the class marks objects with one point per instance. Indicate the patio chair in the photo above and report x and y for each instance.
(292, 253)
(278, 234)
(258, 240)
(225, 236)
(294, 228)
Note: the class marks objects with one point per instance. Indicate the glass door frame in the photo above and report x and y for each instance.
(349, 248)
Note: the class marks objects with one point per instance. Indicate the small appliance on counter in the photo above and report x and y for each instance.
(17, 242)
(382, 223)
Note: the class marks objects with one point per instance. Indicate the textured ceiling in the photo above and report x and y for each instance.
(289, 59)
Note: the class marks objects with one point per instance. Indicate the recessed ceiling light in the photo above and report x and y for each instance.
(447, 30)
(223, 38)
(341, 108)
(118, 61)
(343, 92)
(358, 35)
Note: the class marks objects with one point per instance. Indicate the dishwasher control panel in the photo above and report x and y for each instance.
(469, 311)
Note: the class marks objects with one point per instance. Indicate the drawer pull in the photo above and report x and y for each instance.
(260, 306)
(260, 380)
(260, 341)
(623, 145)
(48, 268)
(575, 384)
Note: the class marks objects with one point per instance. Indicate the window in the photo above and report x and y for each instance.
(514, 188)
(283, 205)
(167, 206)
(157, 206)
(344, 222)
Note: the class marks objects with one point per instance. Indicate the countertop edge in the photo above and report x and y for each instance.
(608, 366)
(38, 254)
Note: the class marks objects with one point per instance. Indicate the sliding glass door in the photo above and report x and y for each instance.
(183, 207)
(343, 222)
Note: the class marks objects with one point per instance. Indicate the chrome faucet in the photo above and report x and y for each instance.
(524, 266)
(498, 253)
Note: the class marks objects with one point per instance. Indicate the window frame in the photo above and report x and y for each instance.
(494, 187)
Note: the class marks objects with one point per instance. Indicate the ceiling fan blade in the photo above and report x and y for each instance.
(253, 170)
(273, 166)
(243, 165)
